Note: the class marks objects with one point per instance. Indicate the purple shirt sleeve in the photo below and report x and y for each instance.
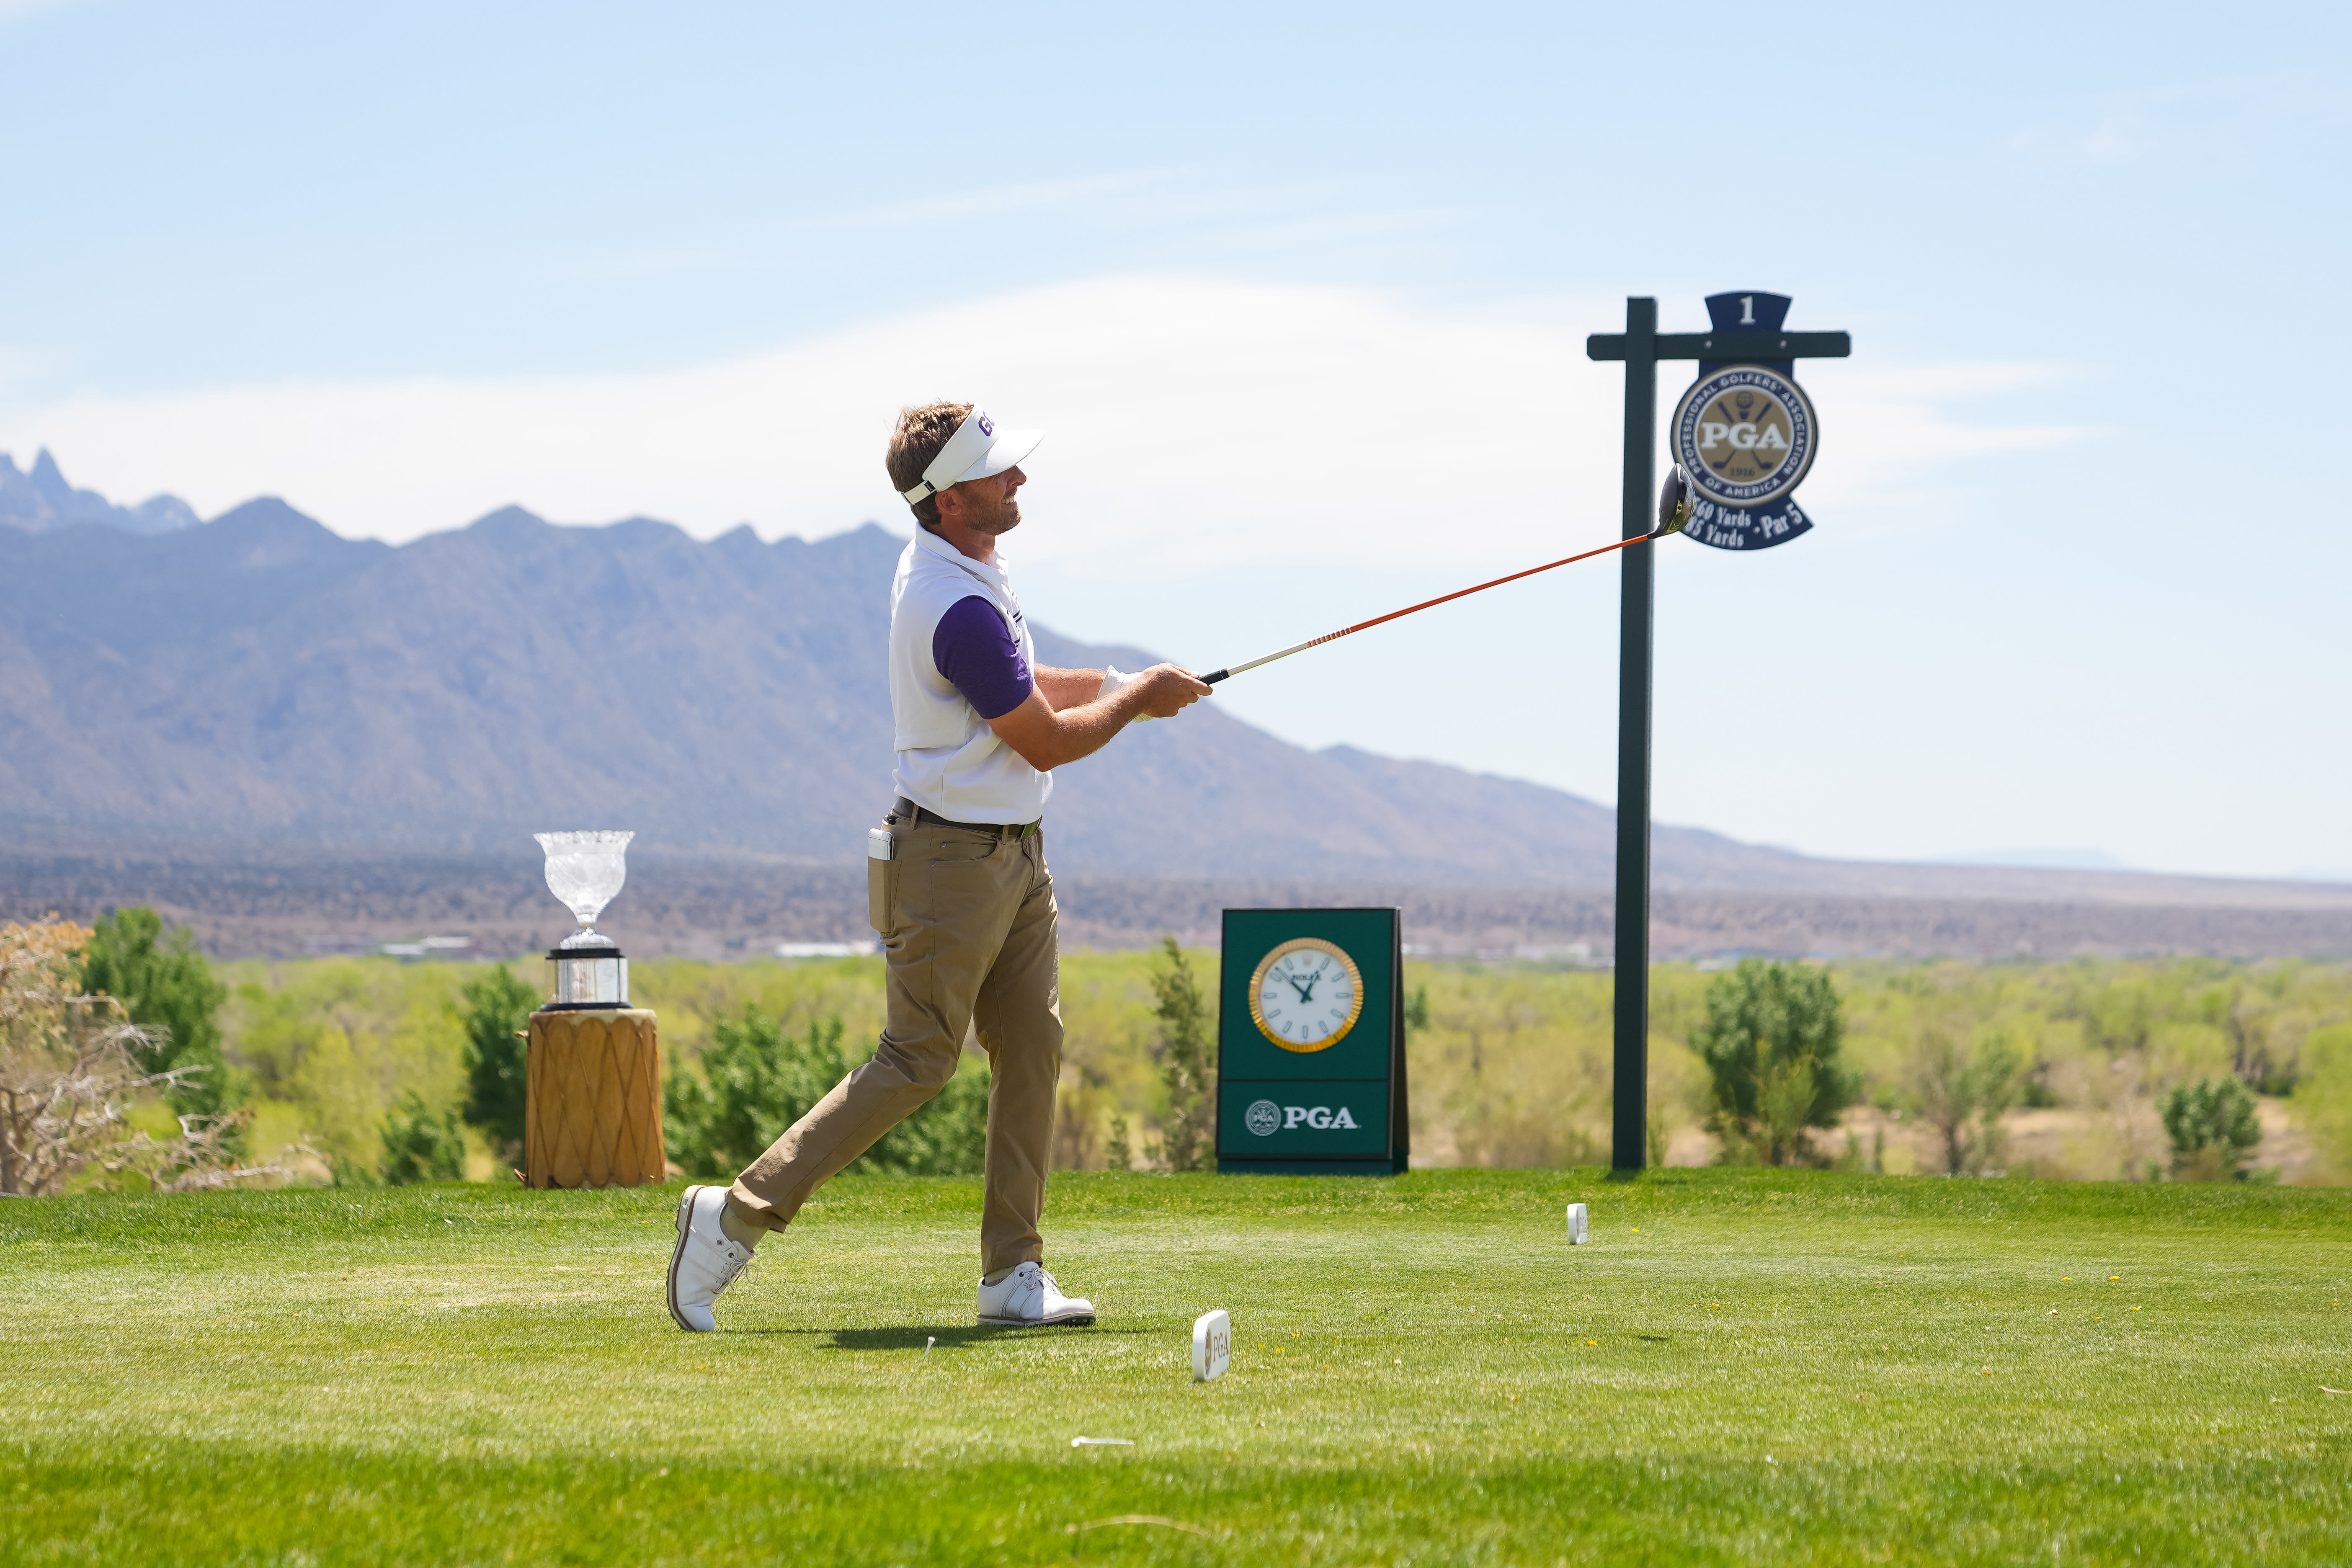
(974, 649)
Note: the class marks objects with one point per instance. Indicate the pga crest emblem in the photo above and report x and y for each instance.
(1746, 434)
(1265, 1118)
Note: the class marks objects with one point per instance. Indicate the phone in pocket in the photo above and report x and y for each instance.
(881, 876)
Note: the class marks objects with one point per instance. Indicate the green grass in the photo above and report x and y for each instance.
(1772, 1367)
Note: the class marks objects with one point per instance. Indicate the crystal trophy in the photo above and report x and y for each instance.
(585, 870)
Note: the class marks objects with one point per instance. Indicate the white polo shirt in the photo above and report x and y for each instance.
(950, 761)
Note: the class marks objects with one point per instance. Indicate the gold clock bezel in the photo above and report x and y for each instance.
(1282, 950)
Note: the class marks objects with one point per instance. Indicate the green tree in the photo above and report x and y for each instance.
(1188, 1138)
(168, 989)
(1963, 1087)
(948, 1137)
(495, 1010)
(1772, 1041)
(419, 1146)
(2324, 1099)
(2213, 1128)
(757, 1081)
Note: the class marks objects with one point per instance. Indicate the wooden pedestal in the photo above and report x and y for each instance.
(591, 1114)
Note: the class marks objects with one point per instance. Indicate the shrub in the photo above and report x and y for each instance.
(421, 1147)
(949, 1136)
(72, 1082)
(70, 1069)
(2324, 1098)
(1188, 1138)
(2213, 1127)
(757, 1081)
(1772, 1041)
(168, 990)
(494, 1009)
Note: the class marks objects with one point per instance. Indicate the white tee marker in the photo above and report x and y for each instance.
(1576, 1224)
(1213, 1345)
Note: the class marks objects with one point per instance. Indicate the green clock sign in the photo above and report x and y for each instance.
(1310, 1043)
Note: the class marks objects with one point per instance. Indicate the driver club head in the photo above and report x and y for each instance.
(1673, 503)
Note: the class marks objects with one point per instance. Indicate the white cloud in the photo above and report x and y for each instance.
(1890, 433)
(1205, 420)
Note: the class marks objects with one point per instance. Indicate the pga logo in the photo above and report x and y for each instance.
(1265, 1118)
(1744, 436)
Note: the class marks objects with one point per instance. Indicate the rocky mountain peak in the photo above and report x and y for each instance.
(42, 500)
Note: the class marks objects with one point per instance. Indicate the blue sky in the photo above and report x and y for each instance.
(1300, 293)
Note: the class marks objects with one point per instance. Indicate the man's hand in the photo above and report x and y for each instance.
(1164, 690)
(1046, 738)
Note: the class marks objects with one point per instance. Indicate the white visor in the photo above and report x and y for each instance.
(977, 450)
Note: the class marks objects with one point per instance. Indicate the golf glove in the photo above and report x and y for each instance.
(1113, 679)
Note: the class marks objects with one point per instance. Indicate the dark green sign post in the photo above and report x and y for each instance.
(1642, 346)
(1310, 1044)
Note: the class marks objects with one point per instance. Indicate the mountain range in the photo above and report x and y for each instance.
(260, 680)
(41, 500)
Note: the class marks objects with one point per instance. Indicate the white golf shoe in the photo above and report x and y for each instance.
(704, 1262)
(1028, 1297)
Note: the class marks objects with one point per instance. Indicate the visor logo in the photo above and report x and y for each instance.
(986, 428)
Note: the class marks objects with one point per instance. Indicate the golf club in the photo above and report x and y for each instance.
(1674, 512)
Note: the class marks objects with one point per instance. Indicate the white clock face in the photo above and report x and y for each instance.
(1306, 994)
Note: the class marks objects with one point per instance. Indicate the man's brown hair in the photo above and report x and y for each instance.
(917, 441)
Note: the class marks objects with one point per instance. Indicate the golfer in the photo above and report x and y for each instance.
(964, 901)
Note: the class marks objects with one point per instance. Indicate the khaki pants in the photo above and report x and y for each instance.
(968, 927)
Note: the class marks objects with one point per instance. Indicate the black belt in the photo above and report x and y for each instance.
(910, 812)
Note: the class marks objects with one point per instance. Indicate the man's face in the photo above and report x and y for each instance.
(992, 505)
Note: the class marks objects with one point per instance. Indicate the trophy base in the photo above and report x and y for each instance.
(592, 1113)
(586, 977)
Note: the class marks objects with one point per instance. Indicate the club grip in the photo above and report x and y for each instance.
(1215, 676)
